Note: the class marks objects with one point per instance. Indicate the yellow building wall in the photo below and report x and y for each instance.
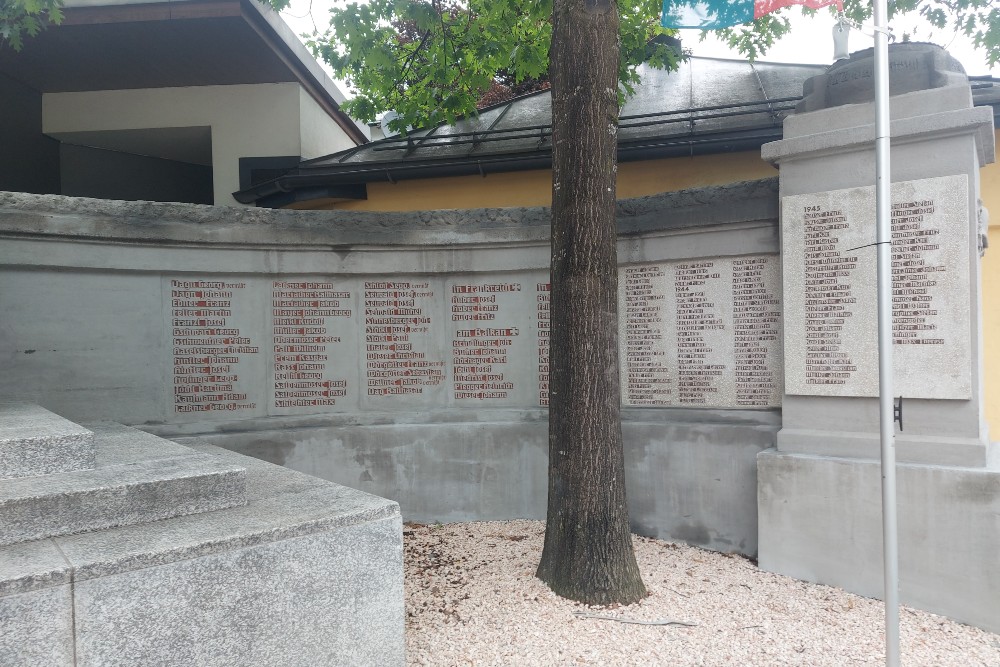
(990, 190)
(635, 179)
(534, 188)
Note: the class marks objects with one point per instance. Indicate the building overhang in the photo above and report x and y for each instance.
(122, 44)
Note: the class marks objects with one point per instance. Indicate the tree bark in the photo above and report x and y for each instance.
(588, 553)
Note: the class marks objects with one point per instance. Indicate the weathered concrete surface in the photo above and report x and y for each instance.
(912, 65)
(306, 573)
(441, 460)
(34, 441)
(821, 521)
(444, 471)
(690, 473)
(136, 478)
(96, 219)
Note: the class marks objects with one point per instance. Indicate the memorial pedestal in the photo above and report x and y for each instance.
(819, 492)
(265, 567)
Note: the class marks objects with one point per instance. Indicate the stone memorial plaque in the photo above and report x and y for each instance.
(404, 357)
(701, 333)
(218, 350)
(314, 327)
(756, 322)
(831, 327)
(648, 369)
(543, 302)
(493, 344)
(704, 359)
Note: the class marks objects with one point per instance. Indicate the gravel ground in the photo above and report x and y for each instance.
(472, 599)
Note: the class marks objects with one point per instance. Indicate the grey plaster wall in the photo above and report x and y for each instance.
(821, 520)
(691, 474)
(85, 288)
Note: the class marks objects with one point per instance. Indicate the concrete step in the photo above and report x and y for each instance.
(34, 441)
(137, 478)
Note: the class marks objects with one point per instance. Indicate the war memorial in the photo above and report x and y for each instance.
(404, 356)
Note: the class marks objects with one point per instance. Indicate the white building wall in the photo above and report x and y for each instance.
(246, 121)
(320, 135)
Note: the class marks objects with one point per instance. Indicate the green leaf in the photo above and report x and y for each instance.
(434, 59)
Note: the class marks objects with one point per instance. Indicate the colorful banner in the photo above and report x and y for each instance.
(716, 14)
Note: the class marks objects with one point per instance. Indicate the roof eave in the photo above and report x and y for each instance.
(628, 151)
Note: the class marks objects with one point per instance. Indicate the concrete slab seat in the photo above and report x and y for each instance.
(306, 572)
(121, 548)
(34, 441)
(134, 478)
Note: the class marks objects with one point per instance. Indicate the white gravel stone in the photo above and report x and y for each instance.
(472, 599)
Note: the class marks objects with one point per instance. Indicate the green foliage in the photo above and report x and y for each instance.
(434, 60)
(977, 19)
(20, 18)
(754, 39)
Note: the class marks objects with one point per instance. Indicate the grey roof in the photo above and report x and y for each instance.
(661, 106)
(708, 105)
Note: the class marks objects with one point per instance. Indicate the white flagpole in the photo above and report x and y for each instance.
(887, 424)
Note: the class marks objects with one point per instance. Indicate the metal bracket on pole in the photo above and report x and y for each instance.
(842, 19)
(897, 412)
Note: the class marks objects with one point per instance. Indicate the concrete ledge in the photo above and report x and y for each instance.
(820, 520)
(921, 449)
(977, 121)
(55, 216)
(34, 441)
(31, 566)
(137, 478)
(307, 573)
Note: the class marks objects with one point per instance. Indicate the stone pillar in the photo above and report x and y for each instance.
(819, 491)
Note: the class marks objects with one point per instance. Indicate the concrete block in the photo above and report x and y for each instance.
(330, 598)
(821, 521)
(31, 566)
(36, 628)
(306, 573)
(138, 478)
(34, 441)
(282, 504)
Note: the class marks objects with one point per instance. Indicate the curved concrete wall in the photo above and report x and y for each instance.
(401, 353)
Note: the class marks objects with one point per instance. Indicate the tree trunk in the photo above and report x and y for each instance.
(588, 552)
